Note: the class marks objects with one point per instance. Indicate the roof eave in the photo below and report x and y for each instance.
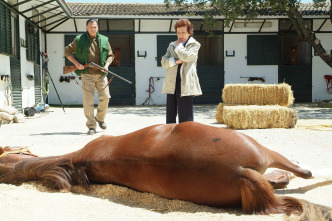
(173, 17)
(137, 17)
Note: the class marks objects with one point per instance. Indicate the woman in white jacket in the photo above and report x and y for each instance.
(181, 81)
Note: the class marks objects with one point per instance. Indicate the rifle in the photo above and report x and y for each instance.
(68, 69)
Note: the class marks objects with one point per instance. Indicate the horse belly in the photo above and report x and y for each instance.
(188, 161)
(200, 185)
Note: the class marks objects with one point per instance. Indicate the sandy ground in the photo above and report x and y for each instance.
(57, 132)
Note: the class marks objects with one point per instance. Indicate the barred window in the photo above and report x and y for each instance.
(5, 30)
(263, 50)
(32, 41)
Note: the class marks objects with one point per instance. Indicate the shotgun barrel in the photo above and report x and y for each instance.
(124, 79)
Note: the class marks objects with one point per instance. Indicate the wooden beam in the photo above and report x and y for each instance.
(322, 24)
(262, 25)
(75, 25)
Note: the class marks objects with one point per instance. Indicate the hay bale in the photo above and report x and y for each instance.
(19, 118)
(258, 94)
(9, 109)
(6, 118)
(219, 111)
(259, 117)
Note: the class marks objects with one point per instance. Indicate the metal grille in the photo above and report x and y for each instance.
(263, 49)
(37, 79)
(15, 69)
(5, 29)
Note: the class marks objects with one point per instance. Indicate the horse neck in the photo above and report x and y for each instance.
(57, 171)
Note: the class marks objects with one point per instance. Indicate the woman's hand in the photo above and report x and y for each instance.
(179, 41)
(178, 62)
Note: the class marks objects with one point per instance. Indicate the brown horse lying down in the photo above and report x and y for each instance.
(187, 161)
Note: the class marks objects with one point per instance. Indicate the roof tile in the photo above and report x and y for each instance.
(138, 9)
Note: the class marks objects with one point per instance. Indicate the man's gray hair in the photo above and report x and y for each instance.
(91, 20)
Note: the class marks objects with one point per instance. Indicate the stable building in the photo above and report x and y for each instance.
(23, 28)
(266, 50)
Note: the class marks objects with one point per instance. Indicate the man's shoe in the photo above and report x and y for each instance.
(91, 131)
(102, 125)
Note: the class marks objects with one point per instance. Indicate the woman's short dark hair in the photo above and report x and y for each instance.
(185, 22)
(92, 20)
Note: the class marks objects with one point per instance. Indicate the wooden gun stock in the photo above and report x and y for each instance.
(68, 69)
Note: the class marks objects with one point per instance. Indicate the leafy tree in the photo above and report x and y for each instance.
(250, 9)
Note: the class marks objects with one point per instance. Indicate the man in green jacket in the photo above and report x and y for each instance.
(92, 47)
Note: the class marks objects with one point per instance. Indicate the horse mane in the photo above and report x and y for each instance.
(258, 197)
(52, 171)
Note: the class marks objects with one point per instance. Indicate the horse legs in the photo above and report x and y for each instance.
(281, 162)
(279, 179)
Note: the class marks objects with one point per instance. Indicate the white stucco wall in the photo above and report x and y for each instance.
(27, 67)
(146, 68)
(4, 70)
(69, 93)
(253, 26)
(319, 69)
(69, 26)
(155, 25)
(236, 67)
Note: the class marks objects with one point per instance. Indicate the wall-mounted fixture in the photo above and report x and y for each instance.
(23, 43)
(141, 54)
(252, 24)
(30, 77)
(4, 77)
(255, 78)
(230, 53)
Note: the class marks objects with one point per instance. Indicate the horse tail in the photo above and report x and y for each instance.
(52, 171)
(257, 194)
(258, 197)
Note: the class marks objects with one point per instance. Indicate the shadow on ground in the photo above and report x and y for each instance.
(304, 111)
(206, 111)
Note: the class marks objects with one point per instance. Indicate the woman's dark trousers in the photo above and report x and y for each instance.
(177, 104)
